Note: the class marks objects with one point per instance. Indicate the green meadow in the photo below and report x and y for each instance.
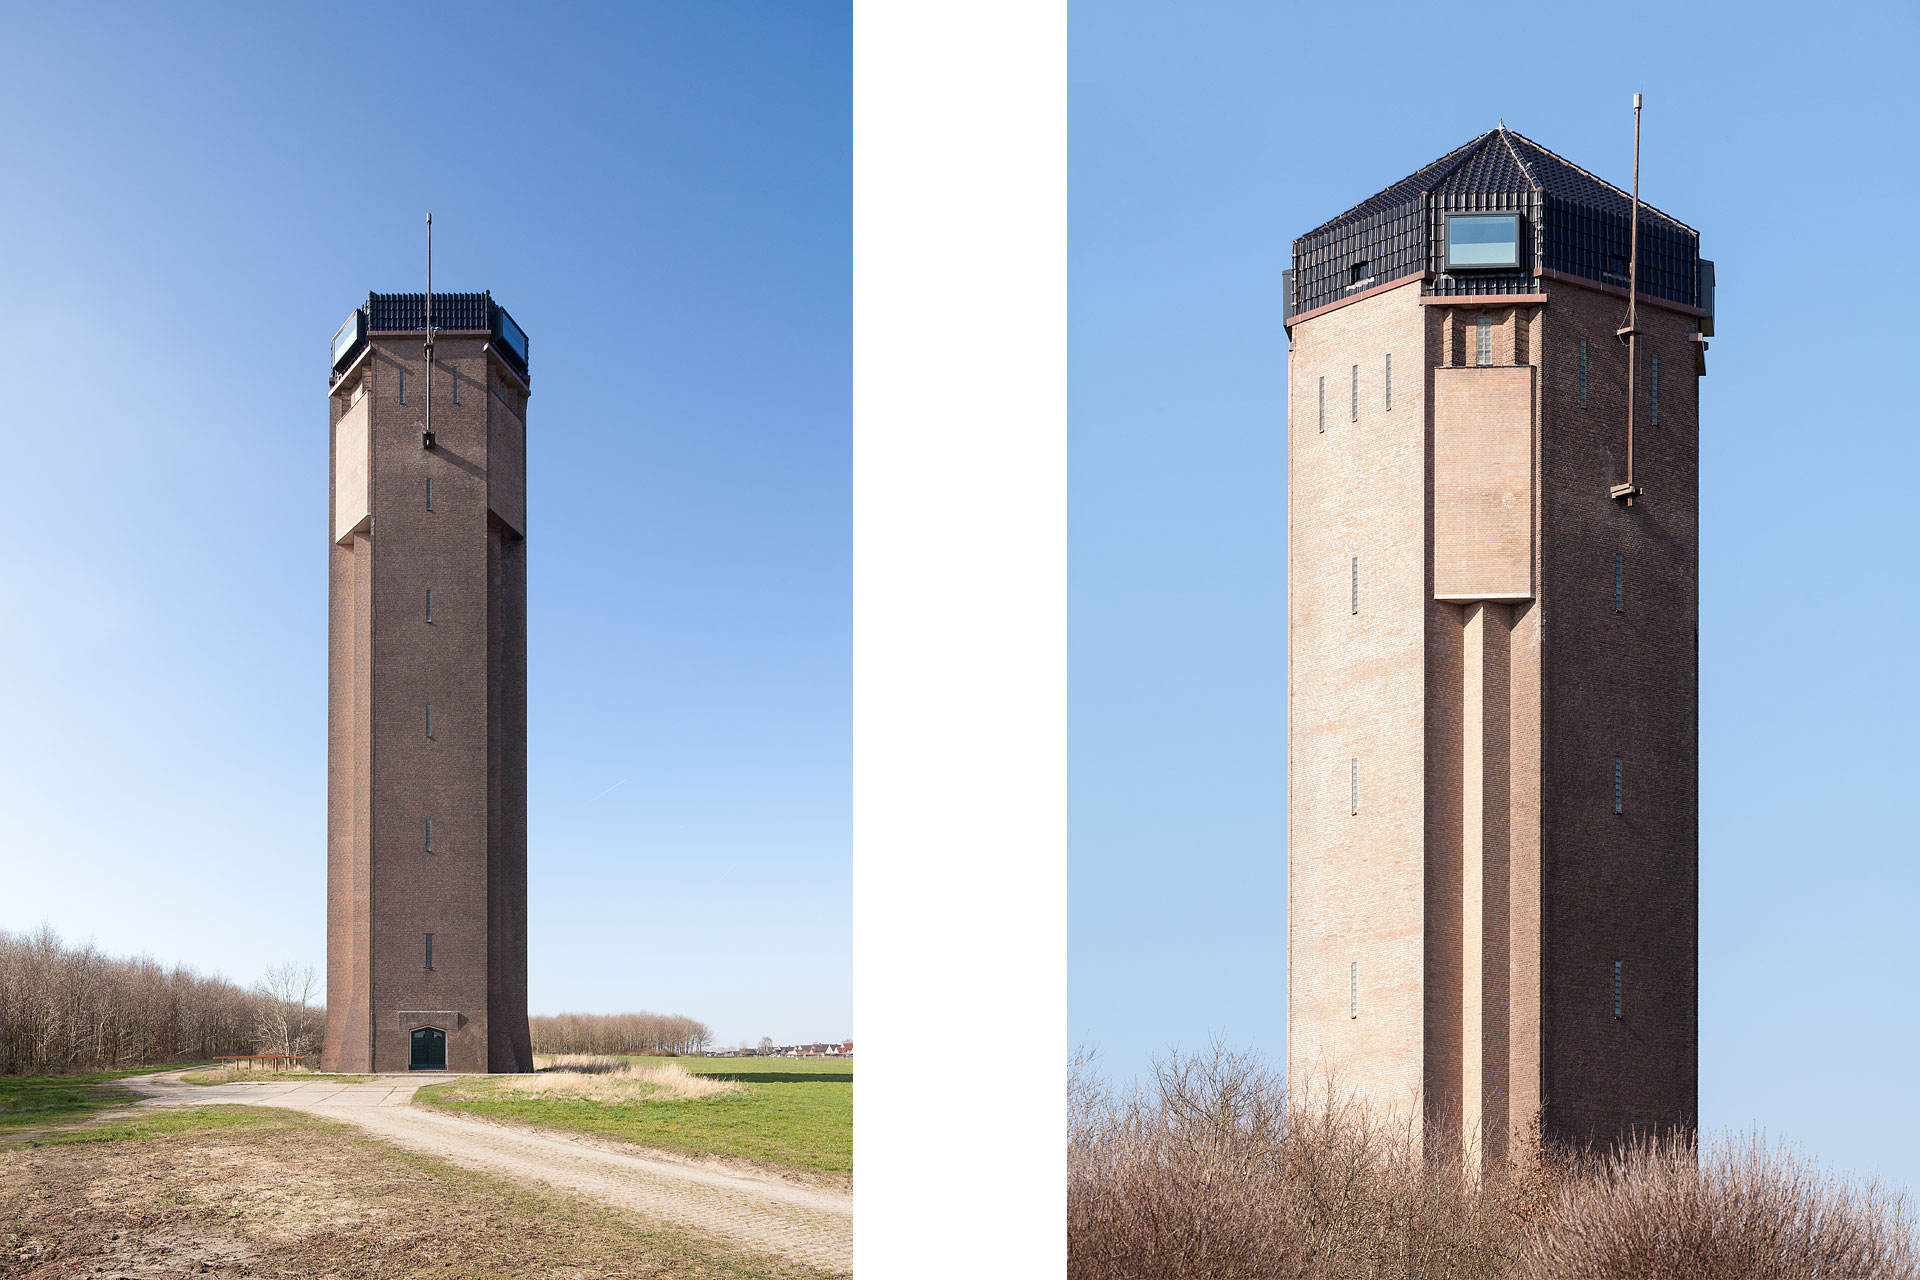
(794, 1113)
(30, 1102)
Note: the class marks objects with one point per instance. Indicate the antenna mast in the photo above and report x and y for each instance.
(1631, 331)
(426, 437)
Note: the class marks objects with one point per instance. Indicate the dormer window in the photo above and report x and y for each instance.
(1359, 272)
(1481, 240)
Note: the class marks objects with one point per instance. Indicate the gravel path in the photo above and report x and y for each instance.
(763, 1213)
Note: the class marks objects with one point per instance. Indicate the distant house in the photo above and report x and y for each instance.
(817, 1049)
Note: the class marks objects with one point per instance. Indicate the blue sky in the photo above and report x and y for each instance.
(1203, 138)
(660, 193)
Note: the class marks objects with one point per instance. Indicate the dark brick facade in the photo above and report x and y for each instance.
(1620, 886)
(389, 661)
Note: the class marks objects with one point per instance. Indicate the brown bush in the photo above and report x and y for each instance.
(1731, 1207)
(1214, 1171)
(657, 1033)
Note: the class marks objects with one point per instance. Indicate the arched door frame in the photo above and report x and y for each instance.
(414, 1041)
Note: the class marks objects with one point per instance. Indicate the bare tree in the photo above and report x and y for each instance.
(284, 1021)
(67, 1008)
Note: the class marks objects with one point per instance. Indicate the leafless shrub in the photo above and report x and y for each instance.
(65, 1008)
(1734, 1208)
(1213, 1171)
(654, 1033)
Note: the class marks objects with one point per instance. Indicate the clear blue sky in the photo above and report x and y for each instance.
(196, 197)
(1204, 138)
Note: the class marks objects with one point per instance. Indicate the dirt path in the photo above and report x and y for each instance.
(764, 1213)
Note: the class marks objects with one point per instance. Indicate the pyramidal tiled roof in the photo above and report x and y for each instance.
(1502, 162)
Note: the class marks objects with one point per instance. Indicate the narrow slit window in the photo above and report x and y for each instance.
(429, 719)
(456, 386)
(1389, 379)
(429, 951)
(1353, 786)
(1619, 583)
(1583, 373)
(1653, 389)
(429, 604)
(1356, 585)
(1323, 404)
(1616, 990)
(1483, 340)
(1616, 785)
(429, 493)
(429, 835)
(1355, 415)
(403, 386)
(1353, 989)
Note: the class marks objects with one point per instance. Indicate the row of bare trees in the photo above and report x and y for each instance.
(664, 1033)
(65, 1008)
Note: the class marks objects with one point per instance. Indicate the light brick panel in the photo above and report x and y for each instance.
(1483, 483)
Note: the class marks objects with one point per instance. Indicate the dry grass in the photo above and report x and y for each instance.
(246, 1075)
(1214, 1171)
(605, 1079)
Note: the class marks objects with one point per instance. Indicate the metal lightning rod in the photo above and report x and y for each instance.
(426, 437)
(1632, 330)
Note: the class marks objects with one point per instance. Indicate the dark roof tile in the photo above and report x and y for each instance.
(1501, 162)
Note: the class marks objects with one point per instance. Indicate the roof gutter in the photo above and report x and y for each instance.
(1417, 277)
(1614, 289)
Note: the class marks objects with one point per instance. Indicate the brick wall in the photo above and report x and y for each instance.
(1485, 885)
(1620, 684)
(1356, 692)
(389, 775)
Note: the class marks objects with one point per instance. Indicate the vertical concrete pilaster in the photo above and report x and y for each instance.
(1484, 899)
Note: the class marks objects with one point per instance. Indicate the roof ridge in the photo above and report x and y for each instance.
(1432, 164)
(1520, 160)
(1624, 195)
(1464, 157)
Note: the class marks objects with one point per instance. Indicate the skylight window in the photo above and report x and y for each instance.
(1483, 240)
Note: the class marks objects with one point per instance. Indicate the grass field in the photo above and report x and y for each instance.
(795, 1113)
(28, 1102)
(258, 1191)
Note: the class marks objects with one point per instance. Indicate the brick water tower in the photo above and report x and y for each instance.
(1493, 521)
(427, 689)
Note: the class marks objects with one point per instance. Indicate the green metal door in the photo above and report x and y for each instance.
(429, 1050)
